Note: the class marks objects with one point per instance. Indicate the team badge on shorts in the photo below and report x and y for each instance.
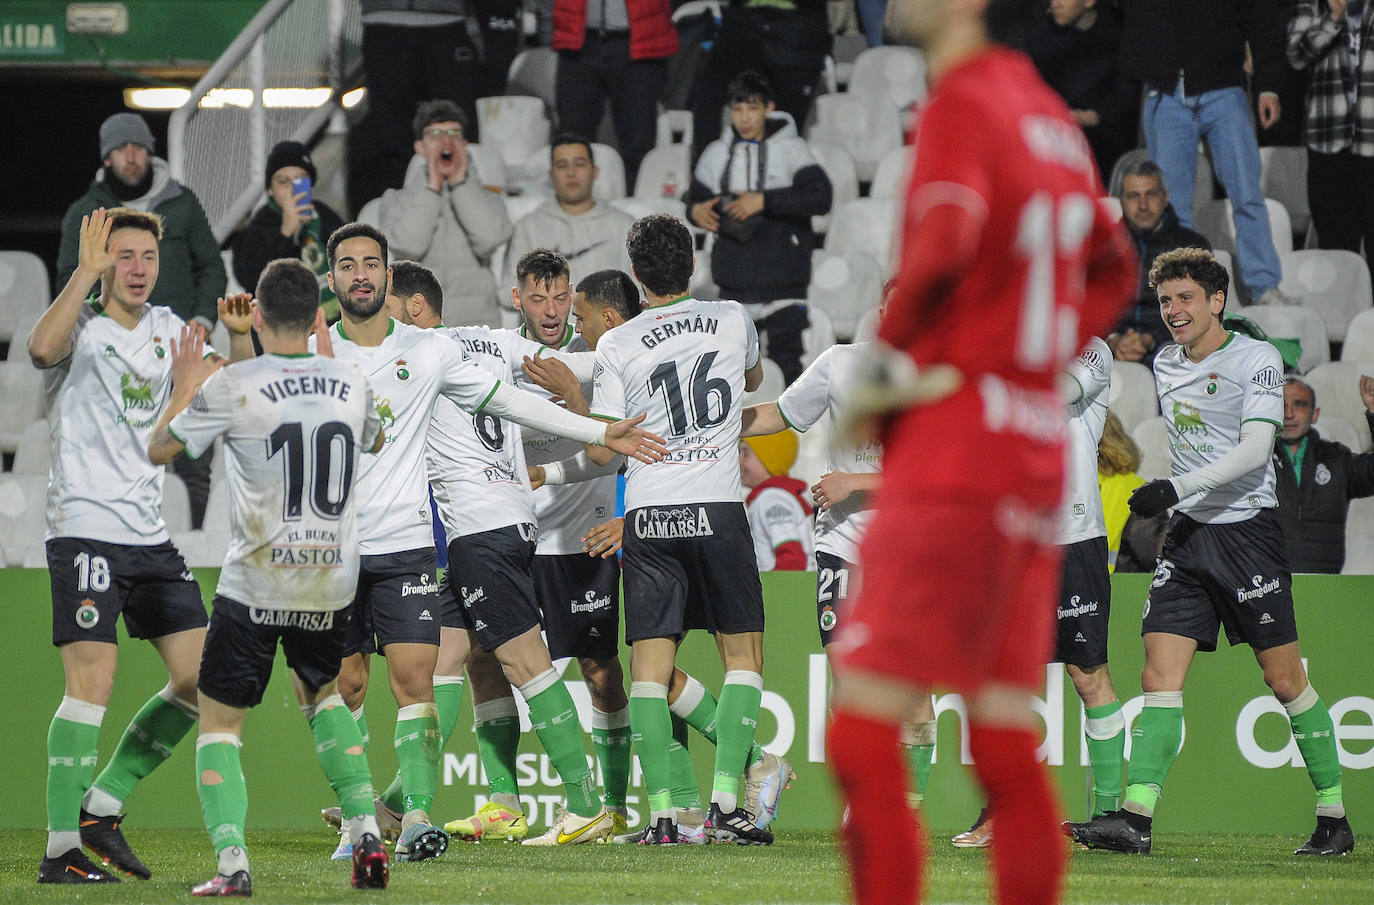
(87, 616)
(828, 619)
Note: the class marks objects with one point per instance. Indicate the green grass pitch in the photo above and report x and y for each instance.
(292, 866)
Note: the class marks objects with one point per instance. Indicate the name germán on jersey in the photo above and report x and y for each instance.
(673, 325)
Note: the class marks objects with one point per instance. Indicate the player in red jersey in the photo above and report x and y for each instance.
(1009, 263)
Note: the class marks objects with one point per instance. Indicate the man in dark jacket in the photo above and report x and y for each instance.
(1155, 229)
(1316, 479)
(757, 187)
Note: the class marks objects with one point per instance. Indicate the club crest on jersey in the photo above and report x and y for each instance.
(87, 616)
(158, 350)
(384, 412)
(402, 372)
(110, 351)
(1188, 420)
(1212, 385)
(668, 523)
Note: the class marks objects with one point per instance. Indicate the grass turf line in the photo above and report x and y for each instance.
(292, 866)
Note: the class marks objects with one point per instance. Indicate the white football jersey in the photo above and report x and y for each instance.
(683, 363)
(103, 401)
(1080, 514)
(566, 512)
(1205, 403)
(408, 371)
(776, 517)
(294, 427)
(822, 387)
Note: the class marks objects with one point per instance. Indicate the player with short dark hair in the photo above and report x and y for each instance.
(1224, 563)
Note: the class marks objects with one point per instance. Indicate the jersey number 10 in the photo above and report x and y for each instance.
(329, 485)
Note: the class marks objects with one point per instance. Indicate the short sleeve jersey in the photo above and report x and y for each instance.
(1204, 405)
(408, 371)
(1080, 515)
(566, 512)
(294, 427)
(103, 401)
(776, 517)
(683, 364)
(998, 143)
(477, 461)
(824, 387)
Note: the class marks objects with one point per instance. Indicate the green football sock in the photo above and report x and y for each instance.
(697, 706)
(342, 756)
(147, 742)
(1315, 734)
(223, 794)
(1154, 746)
(611, 741)
(554, 719)
(737, 716)
(417, 755)
(1105, 731)
(919, 741)
(448, 697)
(497, 726)
(686, 793)
(72, 737)
(652, 733)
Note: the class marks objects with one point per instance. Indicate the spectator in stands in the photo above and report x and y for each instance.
(191, 275)
(290, 225)
(786, 40)
(778, 504)
(589, 233)
(414, 51)
(444, 218)
(1316, 479)
(1075, 47)
(1340, 123)
(616, 49)
(1191, 57)
(757, 187)
(1155, 228)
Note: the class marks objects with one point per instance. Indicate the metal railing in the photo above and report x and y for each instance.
(257, 94)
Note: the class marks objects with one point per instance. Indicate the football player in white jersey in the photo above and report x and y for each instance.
(1223, 562)
(688, 558)
(107, 375)
(409, 369)
(293, 425)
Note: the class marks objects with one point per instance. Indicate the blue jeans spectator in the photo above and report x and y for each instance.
(1173, 125)
(871, 19)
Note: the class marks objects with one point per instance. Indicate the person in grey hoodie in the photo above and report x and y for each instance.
(588, 232)
(444, 218)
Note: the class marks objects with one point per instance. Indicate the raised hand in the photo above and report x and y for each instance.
(190, 367)
(631, 441)
(236, 312)
(324, 345)
(95, 253)
(557, 378)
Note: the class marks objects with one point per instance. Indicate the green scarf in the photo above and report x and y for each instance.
(314, 256)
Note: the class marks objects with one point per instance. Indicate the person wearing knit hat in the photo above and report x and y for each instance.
(291, 224)
(779, 514)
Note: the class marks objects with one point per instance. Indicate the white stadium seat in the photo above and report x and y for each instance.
(33, 453)
(202, 549)
(1152, 436)
(19, 343)
(894, 71)
(818, 336)
(1359, 338)
(1132, 395)
(24, 291)
(893, 174)
(868, 326)
(1359, 538)
(1214, 220)
(1283, 177)
(1337, 385)
(1295, 322)
(534, 72)
(867, 126)
(21, 401)
(23, 514)
(512, 125)
(844, 180)
(1333, 283)
(867, 226)
(1337, 429)
(665, 172)
(847, 285)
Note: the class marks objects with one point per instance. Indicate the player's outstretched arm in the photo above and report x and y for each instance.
(585, 466)
(190, 369)
(605, 540)
(626, 438)
(838, 486)
(761, 420)
(236, 313)
(50, 340)
(529, 410)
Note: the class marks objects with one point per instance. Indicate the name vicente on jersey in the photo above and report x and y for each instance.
(280, 390)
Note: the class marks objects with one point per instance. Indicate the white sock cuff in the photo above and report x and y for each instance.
(500, 708)
(691, 696)
(218, 738)
(539, 684)
(1164, 699)
(357, 714)
(602, 719)
(326, 702)
(1303, 702)
(744, 677)
(181, 704)
(1102, 728)
(77, 711)
(448, 680)
(420, 711)
(922, 733)
(649, 690)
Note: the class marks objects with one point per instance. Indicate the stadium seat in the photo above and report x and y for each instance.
(1215, 222)
(643, 207)
(1152, 436)
(1337, 385)
(1359, 338)
(19, 343)
(893, 71)
(673, 127)
(534, 72)
(844, 180)
(867, 329)
(24, 291)
(23, 514)
(490, 167)
(1333, 283)
(772, 386)
(846, 285)
(1225, 260)
(33, 453)
(1132, 394)
(1337, 429)
(610, 179)
(892, 174)
(818, 336)
(866, 225)
(1359, 538)
(865, 125)
(1283, 177)
(665, 172)
(1296, 322)
(232, 285)
(21, 401)
(514, 126)
(517, 206)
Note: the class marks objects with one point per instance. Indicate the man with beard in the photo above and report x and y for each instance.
(191, 273)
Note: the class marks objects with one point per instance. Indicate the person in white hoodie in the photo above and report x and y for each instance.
(444, 218)
(588, 232)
